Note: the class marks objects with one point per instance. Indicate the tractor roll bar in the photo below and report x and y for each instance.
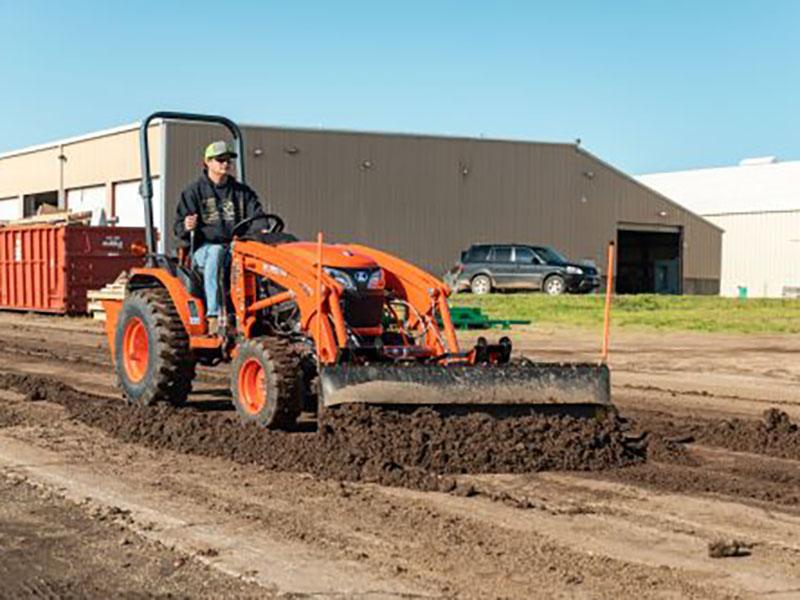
(146, 188)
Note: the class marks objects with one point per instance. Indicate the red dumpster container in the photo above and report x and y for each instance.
(49, 268)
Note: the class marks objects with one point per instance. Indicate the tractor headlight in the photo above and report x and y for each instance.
(341, 277)
(376, 280)
(574, 270)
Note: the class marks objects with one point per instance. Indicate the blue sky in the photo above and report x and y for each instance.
(648, 86)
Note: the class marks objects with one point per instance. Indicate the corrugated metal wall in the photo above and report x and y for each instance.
(427, 198)
(760, 251)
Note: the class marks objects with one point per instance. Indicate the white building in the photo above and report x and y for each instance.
(757, 204)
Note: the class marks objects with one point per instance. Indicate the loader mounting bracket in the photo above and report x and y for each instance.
(485, 353)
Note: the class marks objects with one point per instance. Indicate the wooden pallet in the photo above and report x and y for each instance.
(53, 218)
(111, 291)
(97, 311)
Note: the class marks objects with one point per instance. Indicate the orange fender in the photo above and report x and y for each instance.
(190, 309)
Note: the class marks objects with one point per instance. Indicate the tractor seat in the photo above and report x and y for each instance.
(192, 280)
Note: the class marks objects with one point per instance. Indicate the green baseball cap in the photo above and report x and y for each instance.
(220, 148)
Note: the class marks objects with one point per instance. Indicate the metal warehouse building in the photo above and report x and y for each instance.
(757, 203)
(422, 197)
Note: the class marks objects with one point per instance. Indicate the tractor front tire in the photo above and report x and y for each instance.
(266, 383)
(153, 361)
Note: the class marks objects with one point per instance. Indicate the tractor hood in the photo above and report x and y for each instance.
(338, 256)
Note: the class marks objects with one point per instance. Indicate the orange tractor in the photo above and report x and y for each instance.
(310, 326)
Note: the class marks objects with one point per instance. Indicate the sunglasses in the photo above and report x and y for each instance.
(223, 159)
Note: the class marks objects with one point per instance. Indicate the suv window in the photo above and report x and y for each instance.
(550, 256)
(477, 254)
(501, 254)
(523, 255)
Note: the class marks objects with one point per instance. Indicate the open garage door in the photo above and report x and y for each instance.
(649, 259)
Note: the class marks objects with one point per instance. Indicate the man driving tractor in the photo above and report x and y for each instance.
(207, 212)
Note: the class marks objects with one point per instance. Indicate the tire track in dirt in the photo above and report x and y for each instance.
(43, 533)
(690, 393)
(95, 356)
(39, 350)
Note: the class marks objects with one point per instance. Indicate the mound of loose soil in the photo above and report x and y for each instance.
(673, 466)
(34, 388)
(361, 443)
(773, 435)
(666, 450)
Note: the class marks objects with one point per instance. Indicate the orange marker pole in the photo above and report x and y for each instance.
(319, 296)
(609, 292)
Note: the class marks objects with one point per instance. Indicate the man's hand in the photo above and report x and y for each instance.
(190, 222)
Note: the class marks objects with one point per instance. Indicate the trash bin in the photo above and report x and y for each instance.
(742, 291)
(49, 268)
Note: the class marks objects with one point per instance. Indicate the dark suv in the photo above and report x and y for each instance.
(488, 267)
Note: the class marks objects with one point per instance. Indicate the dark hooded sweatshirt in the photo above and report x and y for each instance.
(218, 207)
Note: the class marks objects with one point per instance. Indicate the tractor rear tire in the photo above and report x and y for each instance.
(153, 361)
(266, 382)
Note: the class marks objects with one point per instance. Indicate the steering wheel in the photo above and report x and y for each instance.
(274, 223)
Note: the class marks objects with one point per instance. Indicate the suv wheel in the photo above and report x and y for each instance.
(554, 285)
(481, 284)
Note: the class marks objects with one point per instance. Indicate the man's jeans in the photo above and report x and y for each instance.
(208, 258)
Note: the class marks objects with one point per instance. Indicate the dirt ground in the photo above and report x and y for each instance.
(52, 548)
(706, 455)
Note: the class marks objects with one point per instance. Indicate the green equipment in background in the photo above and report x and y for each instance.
(467, 317)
